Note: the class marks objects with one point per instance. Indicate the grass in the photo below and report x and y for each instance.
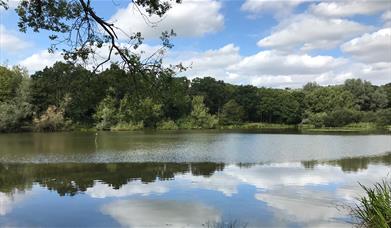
(355, 127)
(250, 126)
(374, 209)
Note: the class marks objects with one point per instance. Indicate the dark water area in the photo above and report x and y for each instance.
(187, 179)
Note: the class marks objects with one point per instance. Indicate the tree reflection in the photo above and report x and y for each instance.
(351, 164)
(73, 178)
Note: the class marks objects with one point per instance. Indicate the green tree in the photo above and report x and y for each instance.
(232, 113)
(248, 98)
(15, 106)
(199, 116)
(106, 113)
(214, 92)
(53, 84)
(9, 83)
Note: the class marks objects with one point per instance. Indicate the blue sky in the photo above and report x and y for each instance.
(263, 43)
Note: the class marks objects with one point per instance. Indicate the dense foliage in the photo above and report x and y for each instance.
(66, 95)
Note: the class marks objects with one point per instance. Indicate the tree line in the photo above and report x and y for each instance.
(67, 96)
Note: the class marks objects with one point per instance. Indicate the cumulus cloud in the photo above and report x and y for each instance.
(277, 63)
(40, 60)
(370, 48)
(349, 8)
(155, 213)
(10, 42)
(255, 7)
(212, 62)
(308, 32)
(189, 19)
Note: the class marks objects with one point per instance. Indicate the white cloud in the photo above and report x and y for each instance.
(280, 69)
(40, 60)
(277, 63)
(10, 42)
(190, 18)
(212, 63)
(12, 4)
(370, 48)
(308, 32)
(386, 16)
(349, 8)
(281, 8)
(157, 213)
(100, 190)
(9, 201)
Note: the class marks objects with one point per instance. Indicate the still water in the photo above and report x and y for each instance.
(186, 179)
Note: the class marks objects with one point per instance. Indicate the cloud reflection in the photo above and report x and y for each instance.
(158, 213)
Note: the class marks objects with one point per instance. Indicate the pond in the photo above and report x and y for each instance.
(186, 179)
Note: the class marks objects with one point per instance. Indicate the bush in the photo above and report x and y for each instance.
(374, 209)
(316, 119)
(341, 117)
(13, 115)
(383, 117)
(167, 125)
(122, 126)
(51, 120)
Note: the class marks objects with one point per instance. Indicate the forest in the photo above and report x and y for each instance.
(67, 96)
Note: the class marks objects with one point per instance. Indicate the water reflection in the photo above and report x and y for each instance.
(185, 194)
(184, 147)
(158, 213)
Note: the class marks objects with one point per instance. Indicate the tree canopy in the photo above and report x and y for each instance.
(68, 95)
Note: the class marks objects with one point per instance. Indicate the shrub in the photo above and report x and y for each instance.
(316, 119)
(13, 115)
(341, 117)
(51, 120)
(167, 125)
(123, 126)
(383, 117)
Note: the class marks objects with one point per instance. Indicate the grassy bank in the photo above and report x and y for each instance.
(356, 127)
(260, 126)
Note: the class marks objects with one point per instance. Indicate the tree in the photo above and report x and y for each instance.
(341, 117)
(173, 94)
(76, 24)
(15, 105)
(199, 116)
(106, 113)
(367, 97)
(9, 82)
(53, 84)
(232, 113)
(279, 106)
(248, 98)
(215, 92)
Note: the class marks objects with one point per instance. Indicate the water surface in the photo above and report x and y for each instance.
(188, 179)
